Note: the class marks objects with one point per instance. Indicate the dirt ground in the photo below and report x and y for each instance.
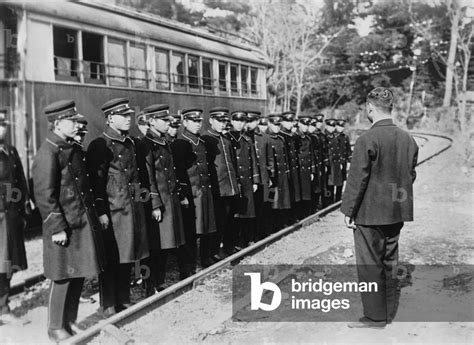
(441, 234)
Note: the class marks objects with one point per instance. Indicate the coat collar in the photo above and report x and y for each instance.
(193, 138)
(237, 136)
(114, 135)
(59, 142)
(214, 132)
(4, 148)
(285, 132)
(151, 135)
(384, 122)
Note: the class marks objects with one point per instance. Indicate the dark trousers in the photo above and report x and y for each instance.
(4, 292)
(224, 209)
(259, 223)
(328, 196)
(242, 229)
(114, 285)
(315, 202)
(64, 302)
(190, 249)
(338, 194)
(376, 249)
(303, 209)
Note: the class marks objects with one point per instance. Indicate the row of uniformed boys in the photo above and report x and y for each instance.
(128, 200)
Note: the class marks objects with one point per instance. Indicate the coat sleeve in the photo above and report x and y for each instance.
(348, 149)
(98, 167)
(155, 196)
(255, 169)
(46, 180)
(359, 174)
(183, 157)
(414, 163)
(22, 185)
(270, 161)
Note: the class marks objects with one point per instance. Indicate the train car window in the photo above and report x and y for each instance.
(66, 65)
(244, 71)
(93, 58)
(222, 77)
(117, 67)
(233, 80)
(193, 72)
(207, 75)
(162, 78)
(253, 81)
(138, 72)
(177, 71)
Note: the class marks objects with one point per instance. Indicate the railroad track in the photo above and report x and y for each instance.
(112, 325)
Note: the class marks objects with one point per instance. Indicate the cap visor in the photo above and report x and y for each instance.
(75, 117)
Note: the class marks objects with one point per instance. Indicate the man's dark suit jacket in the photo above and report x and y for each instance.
(379, 188)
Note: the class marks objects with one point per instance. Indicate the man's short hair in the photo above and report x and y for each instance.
(382, 98)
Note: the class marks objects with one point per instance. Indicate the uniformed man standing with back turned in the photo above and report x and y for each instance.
(377, 201)
(72, 236)
(112, 163)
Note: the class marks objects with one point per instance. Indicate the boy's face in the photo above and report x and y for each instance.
(252, 125)
(217, 124)
(193, 126)
(67, 127)
(121, 122)
(173, 131)
(161, 125)
(238, 125)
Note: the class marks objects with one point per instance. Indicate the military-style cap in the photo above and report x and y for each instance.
(82, 126)
(330, 122)
(175, 120)
(288, 116)
(381, 96)
(319, 117)
(194, 114)
(3, 117)
(62, 110)
(140, 119)
(275, 118)
(219, 113)
(239, 115)
(304, 119)
(117, 106)
(340, 122)
(253, 115)
(156, 111)
(263, 121)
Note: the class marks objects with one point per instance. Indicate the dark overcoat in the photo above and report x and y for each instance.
(334, 163)
(293, 163)
(63, 195)
(248, 173)
(164, 192)
(345, 147)
(111, 160)
(307, 165)
(318, 180)
(278, 170)
(222, 164)
(192, 171)
(13, 195)
(379, 189)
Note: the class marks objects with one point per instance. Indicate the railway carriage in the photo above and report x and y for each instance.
(91, 52)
